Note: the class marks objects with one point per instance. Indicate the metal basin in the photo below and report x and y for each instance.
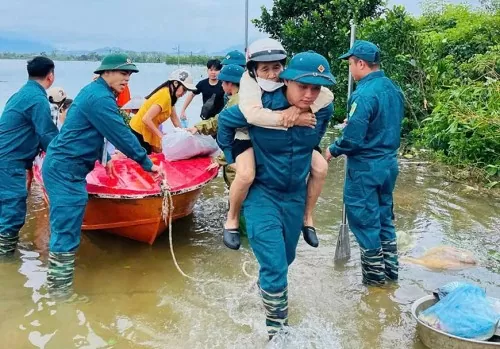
(435, 339)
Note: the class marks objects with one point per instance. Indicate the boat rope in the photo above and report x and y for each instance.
(167, 210)
(247, 274)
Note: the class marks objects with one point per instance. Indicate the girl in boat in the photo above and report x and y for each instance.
(72, 155)
(64, 110)
(57, 96)
(275, 205)
(59, 104)
(158, 108)
(265, 62)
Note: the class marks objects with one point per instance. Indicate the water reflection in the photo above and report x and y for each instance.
(137, 299)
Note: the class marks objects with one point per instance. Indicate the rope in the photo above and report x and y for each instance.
(247, 274)
(167, 210)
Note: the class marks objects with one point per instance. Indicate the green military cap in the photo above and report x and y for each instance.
(364, 50)
(234, 57)
(309, 68)
(117, 61)
(231, 73)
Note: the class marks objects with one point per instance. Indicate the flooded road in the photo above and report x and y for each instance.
(130, 295)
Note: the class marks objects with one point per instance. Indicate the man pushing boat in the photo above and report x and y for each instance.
(72, 155)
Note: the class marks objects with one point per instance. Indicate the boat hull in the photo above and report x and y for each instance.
(138, 219)
(137, 216)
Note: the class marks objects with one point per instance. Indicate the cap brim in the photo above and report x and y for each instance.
(320, 79)
(269, 58)
(346, 55)
(189, 87)
(126, 67)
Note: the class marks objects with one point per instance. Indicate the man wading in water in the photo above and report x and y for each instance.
(371, 140)
(275, 205)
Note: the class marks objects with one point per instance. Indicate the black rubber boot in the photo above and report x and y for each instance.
(232, 238)
(310, 236)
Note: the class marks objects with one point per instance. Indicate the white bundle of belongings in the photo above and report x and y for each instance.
(181, 144)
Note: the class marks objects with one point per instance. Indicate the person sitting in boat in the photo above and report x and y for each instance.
(59, 104)
(275, 205)
(56, 98)
(25, 127)
(64, 110)
(265, 63)
(72, 155)
(158, 108)
(211, 91)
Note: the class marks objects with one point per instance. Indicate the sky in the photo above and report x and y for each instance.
(144, 25)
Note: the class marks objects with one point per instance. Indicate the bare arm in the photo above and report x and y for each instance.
(147, 119)
(251, 105)
(175, 118)
(324, 99)
(188, 101)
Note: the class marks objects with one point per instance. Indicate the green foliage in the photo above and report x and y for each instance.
(401, 48)
(462, 68)
(447, 63)
(319, 25)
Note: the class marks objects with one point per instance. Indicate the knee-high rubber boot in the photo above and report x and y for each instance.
(8, 244)
(390, 250)
(372, 265)
(60, 273)
(276, 305)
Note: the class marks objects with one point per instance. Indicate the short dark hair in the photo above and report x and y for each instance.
(370, 65)
(40, 66)
(214, 63)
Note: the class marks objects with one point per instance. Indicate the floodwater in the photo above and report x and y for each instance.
(130, 295)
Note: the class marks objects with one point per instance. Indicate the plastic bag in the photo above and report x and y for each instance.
(181, 144)
(465, 312)
(443, 291)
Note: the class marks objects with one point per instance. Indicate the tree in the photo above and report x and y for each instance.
(319, 25)
(490, 5)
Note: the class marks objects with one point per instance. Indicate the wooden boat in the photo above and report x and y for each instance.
(436, 339)
(129, 203)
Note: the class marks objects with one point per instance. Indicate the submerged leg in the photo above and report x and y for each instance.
(372, 267)
(276, 305)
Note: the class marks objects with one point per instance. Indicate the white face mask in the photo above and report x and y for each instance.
(269, 85)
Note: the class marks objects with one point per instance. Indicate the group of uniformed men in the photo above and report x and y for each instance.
(274, 207)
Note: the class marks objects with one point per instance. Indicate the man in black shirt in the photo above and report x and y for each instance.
(211, 90)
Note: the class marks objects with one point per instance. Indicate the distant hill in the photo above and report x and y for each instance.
(17, 45)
